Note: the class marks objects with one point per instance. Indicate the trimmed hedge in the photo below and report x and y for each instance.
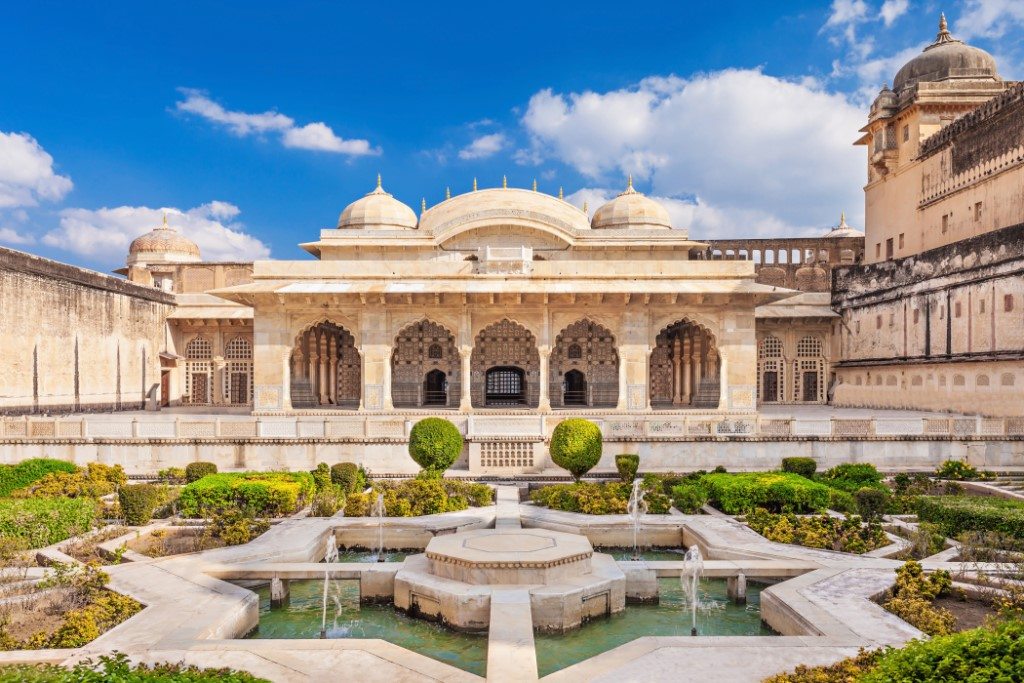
(263, 494)
(435, 444)
(44, 521)
(139, 501)
(194, 471)
(627, 464)
(13, 477)
(805, 467)
(349, 476)
(957, 514)
(737, 494)
(117, 667)
(851, 477)
(576, 446)
(420, 496)
(689, 497)
(606, 498)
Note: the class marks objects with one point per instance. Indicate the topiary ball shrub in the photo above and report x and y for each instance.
(348, 476)
(871, 503)
(576, 446)
(435, 444)
(689, 497)
(138, 503)
(195, 471)
(805, 467)
(627, 464)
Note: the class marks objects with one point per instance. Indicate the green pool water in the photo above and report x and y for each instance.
(368, 556)
(301, 619)
(670, 554)
(346, 618)
(668, 618)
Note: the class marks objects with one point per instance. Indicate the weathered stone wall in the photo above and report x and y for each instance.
(986, 133)
(75, 340)
(940, 330)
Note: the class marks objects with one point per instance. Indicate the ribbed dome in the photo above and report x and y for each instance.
(843, 230)
(944, 59)
(632, 210)
(163, 244)
(378, 210)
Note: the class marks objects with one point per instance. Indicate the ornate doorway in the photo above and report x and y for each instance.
(505, 386)
(574, 389)
(424, 367)
(435, 389)
(505, 367)
(588, 350)
(684, 368)
(326, 368)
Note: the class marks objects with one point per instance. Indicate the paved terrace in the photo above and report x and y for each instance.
(823, 604)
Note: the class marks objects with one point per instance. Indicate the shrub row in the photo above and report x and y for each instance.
(736, 494)
(851, 477)
(139, 502)
(94, 481)
(957, 514)
(14, 477)
(421, 496)
(44, 521)
(264, 494)
(608, 498)
(118, 668)
(820, 531)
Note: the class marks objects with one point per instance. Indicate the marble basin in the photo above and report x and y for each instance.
(507, 557)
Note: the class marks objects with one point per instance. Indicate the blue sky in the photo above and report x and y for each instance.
(253, 124)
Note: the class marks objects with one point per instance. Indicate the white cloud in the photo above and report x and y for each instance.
(989, 18)
(484, 146)
(893, 10)
(106, 233)
(315, 136)
(766, 153)
(12, 236)
(846, 12)
(26, 172)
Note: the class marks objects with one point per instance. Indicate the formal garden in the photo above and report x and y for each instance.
(957, 558)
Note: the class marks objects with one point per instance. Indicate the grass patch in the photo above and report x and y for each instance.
(955, 515)
(45, 521)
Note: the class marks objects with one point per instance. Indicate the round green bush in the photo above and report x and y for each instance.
(435, 444)
(871, 502)
(805, 467)
(138, 502)
(627, 464)
(689, 497)
(195, 471)
(348, 476)
(576, 446)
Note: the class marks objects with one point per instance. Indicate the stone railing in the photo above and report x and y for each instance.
(654, 426)
(937, 190)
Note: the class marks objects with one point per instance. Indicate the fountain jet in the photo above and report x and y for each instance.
(377, 511)
(693, 569)
(637, 508)
(330, 557)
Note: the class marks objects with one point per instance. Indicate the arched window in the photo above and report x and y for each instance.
(771, 370)
(238, 371)
(238, 348)
(574, 352)
(199, 349)
(198, 371)
(1007, 379)
(771, 347)
(435, 352)
(982, 381)
(808, 347)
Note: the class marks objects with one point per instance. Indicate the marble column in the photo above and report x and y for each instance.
(465, 379)
(322, 384)
(677, 371)
(687, 363)
(698, 362)
(332, 371)
(544, 402)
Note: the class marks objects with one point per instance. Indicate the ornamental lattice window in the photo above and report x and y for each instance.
(238, 348)
(808, 347)
(771, 347)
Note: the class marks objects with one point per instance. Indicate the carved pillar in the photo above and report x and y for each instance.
(544, 403)
(687, 362)
(677, 371)
(311, 361)
(698, 361)
(332, 370)
(465, 379)
(623, 401)
(218, 394)
(322, 368)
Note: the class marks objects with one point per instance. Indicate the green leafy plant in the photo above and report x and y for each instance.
(805, 467)
(871, 502)
(321, 477)
(850, 477)
(576, 446)
(195, 471)
(172, 475)
(914, 595)
(420, 496)
(820, 531)
(118, 668)
(606, 498)
(957, 514)
(435, 444)
(94, 481)
(44, 521)
(234, 527)
(327, 501)
(260, 494)
(959, 470)
(689, 497)
(627, 465)
(138, 502)
(738, 493)
(350, 477)
(14, 477)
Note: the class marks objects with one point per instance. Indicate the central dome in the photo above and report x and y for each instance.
(946, 58)
(631, 210)
(378, 210)
(163, 244)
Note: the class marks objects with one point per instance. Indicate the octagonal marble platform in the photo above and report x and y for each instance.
(454, 580)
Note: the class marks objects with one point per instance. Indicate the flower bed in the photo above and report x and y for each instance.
(119, 668)
(265, 494)
(14, 477)
(957, 514)
(821, 531)
(40, 522)
(737, 494)
(609, 498)
(421, 496)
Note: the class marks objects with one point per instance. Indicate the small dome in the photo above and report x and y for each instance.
(162, 244)
(632, 210)
(843, 230)
(378, 210)
(944, 59)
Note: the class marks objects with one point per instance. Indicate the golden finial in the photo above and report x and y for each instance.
(561, 195)
(378, 181)
(447, 193)
(504, 182)
(474, 184)
(423, 205)
(942, 22)
(165, 220)
(629, 182)
(842, 218)
(585, 207)
(534, 184)
(944, 35)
